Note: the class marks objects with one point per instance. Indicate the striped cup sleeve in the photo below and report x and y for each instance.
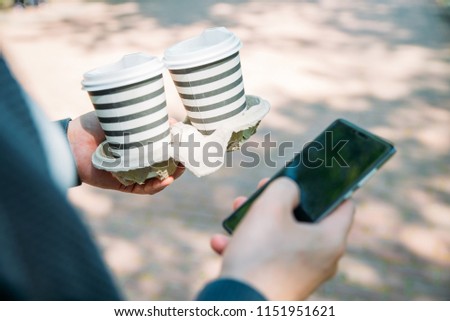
(134, 115)
(212, 93)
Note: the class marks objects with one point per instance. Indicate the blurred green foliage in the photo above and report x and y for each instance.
(443, 3)
(6, 3)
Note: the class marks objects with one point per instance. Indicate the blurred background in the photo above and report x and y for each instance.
(384, 65)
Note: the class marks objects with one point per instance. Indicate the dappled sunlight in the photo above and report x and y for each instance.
(436, 138)
(183, 256)
(124, 256)
(431, 244)
(437, 214)
(389, 72)
(279, 121)
(91, 202)
(376, 218)
(362, 273)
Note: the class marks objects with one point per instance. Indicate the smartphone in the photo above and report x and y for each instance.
(327, 170)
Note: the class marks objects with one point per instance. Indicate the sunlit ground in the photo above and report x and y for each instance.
(385, 66)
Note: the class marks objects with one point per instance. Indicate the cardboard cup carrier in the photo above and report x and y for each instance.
(130, 103)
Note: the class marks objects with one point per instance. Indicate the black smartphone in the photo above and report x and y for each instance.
(328, 170)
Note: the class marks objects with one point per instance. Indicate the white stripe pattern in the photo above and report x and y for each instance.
(139, 137)
(125, 95)
(222, 99)
(136, 117)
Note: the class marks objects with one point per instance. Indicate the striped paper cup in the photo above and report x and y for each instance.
(207, 74)
(130, 103)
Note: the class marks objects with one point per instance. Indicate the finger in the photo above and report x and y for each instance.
(242, 199)
(154, 185)
(166, 182)
(156, 190)
(90, 123)
(262, 182)
(238, 202)
(219, 243)
(172, 121)
(276, 203)
(339, 222)
(282, 194)
(146, 189)
(179, 171)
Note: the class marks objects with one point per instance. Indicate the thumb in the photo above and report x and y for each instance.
(282, 195)
(219, 243)
(339, 222)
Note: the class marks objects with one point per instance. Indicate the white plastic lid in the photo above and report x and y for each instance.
(211, 45)
(130, 69)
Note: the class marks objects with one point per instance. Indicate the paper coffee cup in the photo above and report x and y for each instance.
(130, 103)
(207, 74)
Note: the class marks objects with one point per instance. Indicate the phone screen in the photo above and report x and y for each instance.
(328, 170)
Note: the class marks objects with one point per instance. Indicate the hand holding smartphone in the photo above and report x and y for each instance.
(328, 170)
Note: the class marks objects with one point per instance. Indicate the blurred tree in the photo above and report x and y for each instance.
(6, 3)
(19, 3)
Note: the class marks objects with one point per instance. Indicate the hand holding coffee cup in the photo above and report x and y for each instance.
(130, 103)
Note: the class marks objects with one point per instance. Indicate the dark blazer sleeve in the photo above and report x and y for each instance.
(64, 125)
(46, 250)
(229, 290)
